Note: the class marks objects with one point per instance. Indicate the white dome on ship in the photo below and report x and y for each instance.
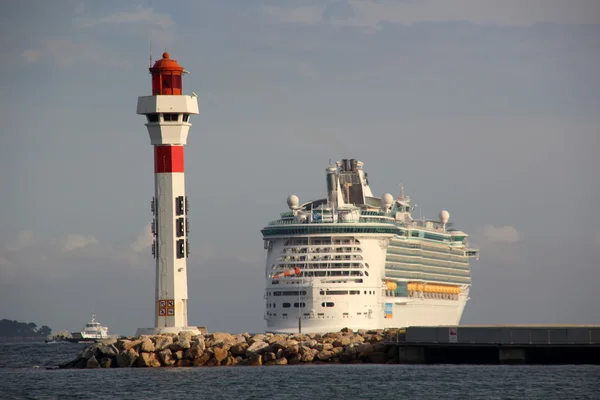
(387, 199)
(293, 201)
(444, 216)
(386, 202)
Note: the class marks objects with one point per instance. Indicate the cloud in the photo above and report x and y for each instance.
(29, 256)
(143, 241)
(300, 15)
(370, 14)
(139, 15)
(23, 240)
(506, 234)
(32, 55)
(65, 52)
(73, 242)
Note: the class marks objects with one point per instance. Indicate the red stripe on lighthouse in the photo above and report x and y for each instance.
(168, 159)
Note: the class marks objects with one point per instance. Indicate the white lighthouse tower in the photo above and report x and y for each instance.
(167, 114)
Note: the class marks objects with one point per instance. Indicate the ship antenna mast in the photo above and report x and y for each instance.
(150, 53)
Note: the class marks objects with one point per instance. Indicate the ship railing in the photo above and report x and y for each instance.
(329, 221)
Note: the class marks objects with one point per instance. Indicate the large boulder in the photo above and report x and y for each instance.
(202, 360)
(127, 358)
(92, 363)
(255, 360)
(325, 355)
(291, 350)
(269, 356)
(221, 337)
(220, 354)
(229, 360)
(106, 362)
(147, 346)
(277, 338)
(163, 342)
(195, 351)
(239, 349)
(148, 360)
(256, 348)
(166, 358)
(349, 354)
(295, 359)
(107, 350)
(257, 338)
(125, 344)
(185, 335)
(309, 355)
(356, 339)
(341, 341)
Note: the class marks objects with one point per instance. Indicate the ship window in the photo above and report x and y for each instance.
(327, 304)
(276, 293)
(286, 305)
(152, 117)
(186, 117)
(301, 305)
(336, 292)
(322, 292)
(355, 292)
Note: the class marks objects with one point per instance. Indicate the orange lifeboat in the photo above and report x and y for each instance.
(288, 272)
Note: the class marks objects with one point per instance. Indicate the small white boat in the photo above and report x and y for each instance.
(93, 331)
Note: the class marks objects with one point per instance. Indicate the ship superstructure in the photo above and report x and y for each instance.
(354, 260)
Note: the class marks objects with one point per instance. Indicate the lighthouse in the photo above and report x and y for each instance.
(168, 113)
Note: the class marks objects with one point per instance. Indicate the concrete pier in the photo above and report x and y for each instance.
(550, 344)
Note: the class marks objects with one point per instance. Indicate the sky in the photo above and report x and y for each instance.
(489, 109)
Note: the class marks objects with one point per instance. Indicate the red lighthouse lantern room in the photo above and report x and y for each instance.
(166, 76)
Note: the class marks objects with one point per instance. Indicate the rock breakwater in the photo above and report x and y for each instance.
(225, 349)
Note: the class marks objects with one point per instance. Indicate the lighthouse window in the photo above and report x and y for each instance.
(166, 81)
(180, 248)
(176, 81)
(186, 117)
(180, 227)
(179, 205)
(170, 117)
(152, 117)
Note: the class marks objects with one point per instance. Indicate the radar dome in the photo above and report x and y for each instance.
(444, 216)
(387, 199)
(293, 201)
(386, 202)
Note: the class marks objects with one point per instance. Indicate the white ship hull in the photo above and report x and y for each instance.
(365, 265)
(353, 313)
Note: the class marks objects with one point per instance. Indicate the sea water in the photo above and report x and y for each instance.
(23, 375)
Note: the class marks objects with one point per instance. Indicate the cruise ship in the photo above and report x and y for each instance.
(354, 260)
